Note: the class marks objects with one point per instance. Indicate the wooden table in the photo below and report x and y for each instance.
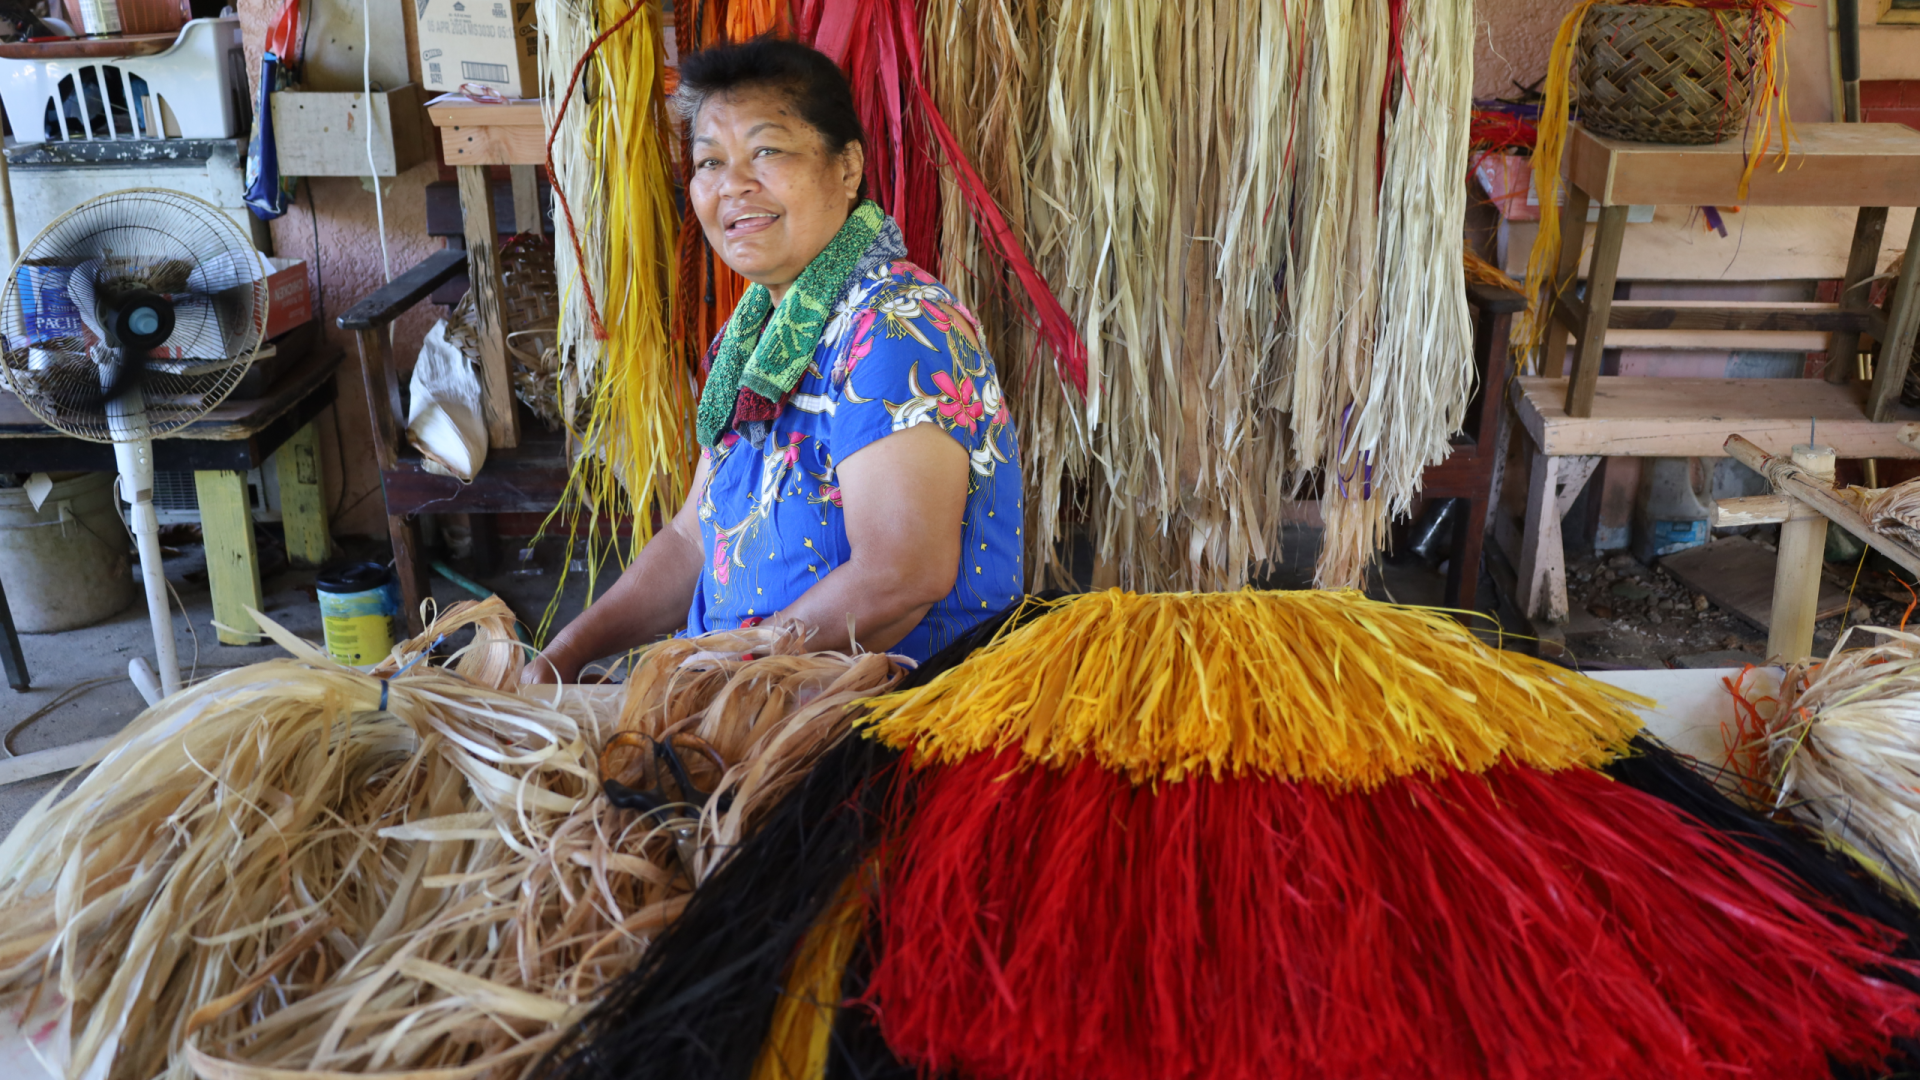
(1571, 422)
(219, 449)
(474, 137)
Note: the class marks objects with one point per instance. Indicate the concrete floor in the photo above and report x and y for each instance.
(81, 691)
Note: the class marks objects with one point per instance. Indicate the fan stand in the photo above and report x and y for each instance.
(133, 452)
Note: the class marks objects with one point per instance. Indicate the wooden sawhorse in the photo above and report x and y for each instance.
(1869, 166)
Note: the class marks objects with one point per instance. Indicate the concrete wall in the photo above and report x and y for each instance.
(340, 216)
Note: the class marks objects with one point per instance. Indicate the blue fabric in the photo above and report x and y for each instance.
(899, 352)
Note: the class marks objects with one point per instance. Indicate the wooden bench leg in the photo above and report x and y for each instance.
(1796, 571)
(303, 501)
(409, 568)
(1566, 275)
(1553, 483)
(1903, 326)
(1843, 349)
(233, 563)
(11, 657)
(483, 276)
(1592, 335)
(1463, 567)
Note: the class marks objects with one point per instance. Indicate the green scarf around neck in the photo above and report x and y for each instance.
(760, 359)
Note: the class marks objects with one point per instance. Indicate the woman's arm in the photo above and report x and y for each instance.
(649, 601)
(905, 496)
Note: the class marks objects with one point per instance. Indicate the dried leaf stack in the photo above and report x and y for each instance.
(271, 875)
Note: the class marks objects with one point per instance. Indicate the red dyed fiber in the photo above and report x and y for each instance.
(1515, 924)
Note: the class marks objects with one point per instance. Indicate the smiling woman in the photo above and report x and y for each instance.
(858, 472)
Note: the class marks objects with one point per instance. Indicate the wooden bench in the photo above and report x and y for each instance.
(1570, 422)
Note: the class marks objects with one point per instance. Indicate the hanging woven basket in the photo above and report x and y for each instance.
(1651, 73)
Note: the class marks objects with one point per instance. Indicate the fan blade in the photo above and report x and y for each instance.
(125, 371)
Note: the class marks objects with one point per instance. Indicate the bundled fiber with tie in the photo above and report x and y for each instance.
(1248, 835)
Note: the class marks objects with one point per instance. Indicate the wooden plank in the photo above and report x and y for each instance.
(464, 113)
(1796, 569)
(386, 303)
(233, 564)
(1748, 510)
(1840, 509)
(1848, 165)
(1869, 229)
(1737, 574)
(1896, 352)
(1573, 228)
(1650, 417)
(1593, 332)
(325, 134)
(303, 503)
(1720, 340)
(1748, 315)
(483, 271)
(1763, 243)
(504, 138)
(1543, 557)
(526, 200)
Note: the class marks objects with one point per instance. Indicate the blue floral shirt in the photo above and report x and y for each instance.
(899, 352)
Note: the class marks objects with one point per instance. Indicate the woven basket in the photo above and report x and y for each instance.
(1650, 73)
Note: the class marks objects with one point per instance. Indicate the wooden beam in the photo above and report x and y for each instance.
(1758, 315)
(1607, 239)
(1903, 326)
(1847, 165)
(1573, 234)
(233, 563)
(1649, 417)
(1796, 569)
(483, 271)
(526, 200)
(1863, 261)
(1789, 479)
(303, 502)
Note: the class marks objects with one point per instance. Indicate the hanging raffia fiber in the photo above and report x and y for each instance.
(1840, 751)
(616, 261)
(1896, 511)
(270, 876)
(1768, 105)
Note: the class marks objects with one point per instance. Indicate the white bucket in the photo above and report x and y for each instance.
(64, 565)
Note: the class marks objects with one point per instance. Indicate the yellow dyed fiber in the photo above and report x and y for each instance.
(802, 1029)
(1321, 686)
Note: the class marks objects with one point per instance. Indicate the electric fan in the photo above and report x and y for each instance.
(125, 320)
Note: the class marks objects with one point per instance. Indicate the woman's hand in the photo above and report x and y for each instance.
(555, 664)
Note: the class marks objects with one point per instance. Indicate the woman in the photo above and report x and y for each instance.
(858, 474)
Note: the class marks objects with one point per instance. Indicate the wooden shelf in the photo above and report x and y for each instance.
(111, 48)
(1653, 417)
(474, 133)
(1829, 165)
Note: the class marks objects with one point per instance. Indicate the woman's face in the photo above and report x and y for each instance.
(768, 192)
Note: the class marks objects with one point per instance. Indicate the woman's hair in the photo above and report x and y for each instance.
(813, 83)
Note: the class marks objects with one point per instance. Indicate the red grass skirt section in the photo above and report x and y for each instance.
(1518, 924)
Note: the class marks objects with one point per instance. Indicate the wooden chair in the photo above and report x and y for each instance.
(527, 478)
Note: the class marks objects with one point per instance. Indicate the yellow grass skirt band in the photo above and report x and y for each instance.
(1328, 687)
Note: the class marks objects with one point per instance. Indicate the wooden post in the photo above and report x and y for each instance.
(526, 200)
(1796, 572)
(1566, 275)
(1843, 349)
(303, 501)
(1903, 325)
(483, 276)
(1599, 307)
(233, 563)
(10, 656)
(1543, 554)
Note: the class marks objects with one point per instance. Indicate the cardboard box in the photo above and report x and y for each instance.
(483, 43)
(289, 296)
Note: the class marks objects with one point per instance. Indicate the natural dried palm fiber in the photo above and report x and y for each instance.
(616, 261)
(1841, 752)
(1323, 686)
(268, 876)
(1896, 511)
(705, 995)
